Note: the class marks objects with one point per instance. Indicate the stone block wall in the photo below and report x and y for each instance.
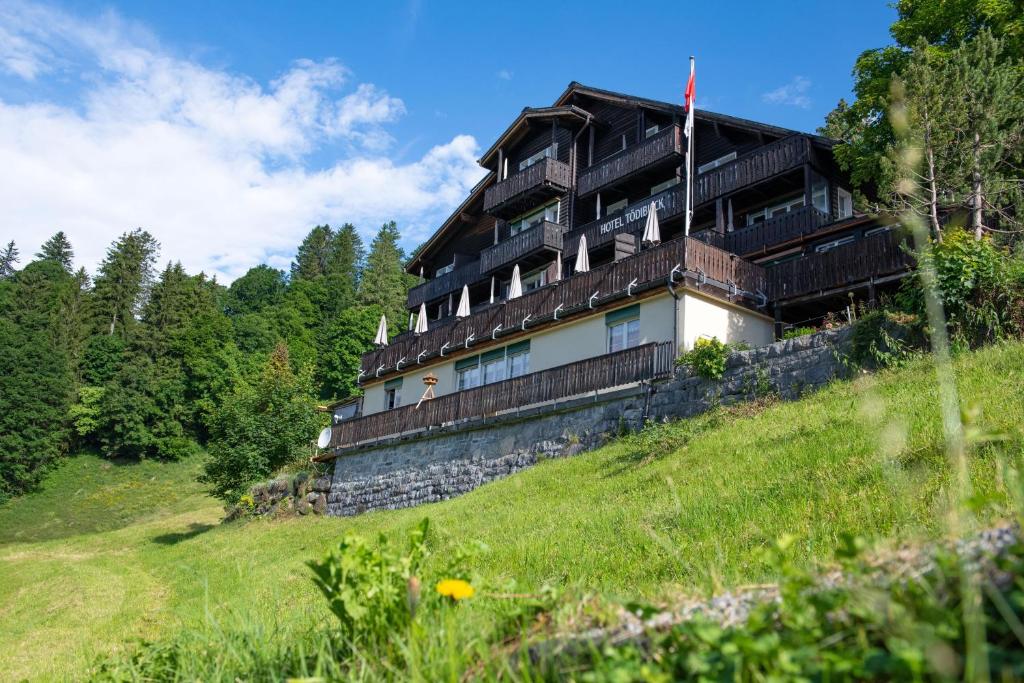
(440, 464)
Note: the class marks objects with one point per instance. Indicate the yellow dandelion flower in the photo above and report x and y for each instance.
(456, 589)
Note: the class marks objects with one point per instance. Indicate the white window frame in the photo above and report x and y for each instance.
(469, 377)
(444, 269)
(875, 231)
(844, 199)
(495, 363)
(549, 151)
(838, 242)
(628, 332)
(651, 131)
(510, 359)
(616, 206)
(548, 212)
(770, 211)
(724, 159)
(819, 190)
(661, 187)
(392, 398)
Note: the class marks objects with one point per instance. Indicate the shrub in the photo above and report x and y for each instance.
(373, 591)
(706, 358)
(884, 338)
(794, 332)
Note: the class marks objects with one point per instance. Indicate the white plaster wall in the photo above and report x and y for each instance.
(699, 316)
(412, 386)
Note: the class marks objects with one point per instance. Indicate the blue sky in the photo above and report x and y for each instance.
(309, 112)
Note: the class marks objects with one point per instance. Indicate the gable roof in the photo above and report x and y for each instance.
(528, 115)
(475, 195)
(622, 99)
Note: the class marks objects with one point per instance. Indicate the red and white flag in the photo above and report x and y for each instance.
(689, 94)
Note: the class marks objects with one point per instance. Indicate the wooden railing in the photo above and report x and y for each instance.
(451, 281)
(776, 230)
(645, 362)
(572, 294)
(547, 174)
(664, 145)
(872, 257)
(760, 164)
(670, 203)
(544, 235)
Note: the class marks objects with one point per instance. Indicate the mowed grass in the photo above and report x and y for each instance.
(688, 510)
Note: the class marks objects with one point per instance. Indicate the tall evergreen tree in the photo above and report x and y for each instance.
(344, 268)
(35, 376)
(123, 282)
(58, 249)
(260, 287)
(8, 260)
(385, 282)
(313, 254)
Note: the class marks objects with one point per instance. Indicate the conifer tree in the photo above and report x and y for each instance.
(123, 281)
(58, 249)
(313, 254)
(8, 260)
(385, 282)
(343, 270)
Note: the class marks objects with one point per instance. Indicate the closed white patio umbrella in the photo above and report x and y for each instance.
(582, 257)
(382, 332)
(421, 320)
(463, 310)
(652, 232)
(515, 288)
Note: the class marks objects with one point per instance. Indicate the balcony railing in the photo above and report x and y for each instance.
(542, 236)
(776, 230)
(664, 146)
(523, 190)
(760, 164)
(573, 295)
(876, 257)
(670, 203)
(442, 285)
(646, 362)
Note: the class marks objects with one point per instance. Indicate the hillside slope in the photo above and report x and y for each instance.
(682, 508)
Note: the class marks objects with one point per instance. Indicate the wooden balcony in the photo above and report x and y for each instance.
(441, 286)
(670, 203)
(738, 281)
(543, 236)
(876, 258)
(776, 230)
(760, 164)
(664, 147)
(646, 362)
(545, 179)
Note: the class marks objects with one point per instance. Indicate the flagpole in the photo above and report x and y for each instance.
(689, 154)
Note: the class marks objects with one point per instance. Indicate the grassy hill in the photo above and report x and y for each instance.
(108, 553)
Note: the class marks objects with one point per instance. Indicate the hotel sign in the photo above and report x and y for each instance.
(668, 203)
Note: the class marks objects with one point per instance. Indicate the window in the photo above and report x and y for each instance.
(467, 372)
(704, 168)
(845, 203)
(533, 280)
(547, 213)
(493, 366)
(447, 269)
(829, 246)
(661, 187)
(875, 231)
(346, 412)
(392, 393)
(819, 194)
(623, 328)
(616, 206)
(518, 359)
(549, 151)
(764, 214)
(651, 130)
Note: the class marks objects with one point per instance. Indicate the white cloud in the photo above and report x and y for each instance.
(210, 162)
(793, 93)
(505, 75)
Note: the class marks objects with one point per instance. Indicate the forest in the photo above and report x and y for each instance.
(139, 362)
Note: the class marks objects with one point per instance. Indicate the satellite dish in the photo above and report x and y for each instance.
(325, 438)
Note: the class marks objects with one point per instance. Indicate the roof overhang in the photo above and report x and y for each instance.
(475, 195)
(523, 121)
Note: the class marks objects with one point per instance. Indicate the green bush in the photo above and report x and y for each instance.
(883, 338)
(794, 332)
(707, 358)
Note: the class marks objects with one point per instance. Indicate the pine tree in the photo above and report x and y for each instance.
(58, 249)
(123, 282)
(343, 269)
(8, 259)
(313, 254)
(385, 282)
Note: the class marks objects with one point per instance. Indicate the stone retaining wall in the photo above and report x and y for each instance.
(442, 463)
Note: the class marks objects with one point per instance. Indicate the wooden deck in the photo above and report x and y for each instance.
(760, 164)
(573, 295)
(877, 257)
(445, 284)
(542, 236)
(776, 230)
(645, 362)
(631, 219)
(525, 189)
(664, 147)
